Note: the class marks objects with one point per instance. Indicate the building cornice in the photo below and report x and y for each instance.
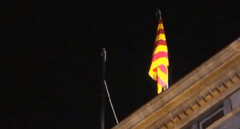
(196, 92)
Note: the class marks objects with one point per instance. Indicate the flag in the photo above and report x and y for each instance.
(159, 66)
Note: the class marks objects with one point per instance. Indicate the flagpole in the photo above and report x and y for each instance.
(158, 13)
(104, 55)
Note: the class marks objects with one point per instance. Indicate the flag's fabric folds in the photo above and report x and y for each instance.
(159, 67)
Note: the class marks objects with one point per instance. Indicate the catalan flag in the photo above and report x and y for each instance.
(159, 67)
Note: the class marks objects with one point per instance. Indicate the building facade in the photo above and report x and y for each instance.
(208, 97)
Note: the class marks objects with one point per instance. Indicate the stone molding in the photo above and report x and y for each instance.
(208, 84)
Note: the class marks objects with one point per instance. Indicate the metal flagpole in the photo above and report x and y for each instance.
(104, 55)
(158, 13)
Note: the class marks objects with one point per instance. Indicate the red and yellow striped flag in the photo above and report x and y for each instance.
(159, 67)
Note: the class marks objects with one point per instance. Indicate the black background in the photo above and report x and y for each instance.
(52, 72)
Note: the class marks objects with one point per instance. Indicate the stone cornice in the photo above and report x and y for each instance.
(196, 92)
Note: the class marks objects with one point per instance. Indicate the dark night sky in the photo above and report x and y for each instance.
(53, 71)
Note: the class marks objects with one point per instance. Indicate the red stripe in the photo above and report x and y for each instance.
(160, 31)
(159, 80)
(155, 70)
(162, 68)
(159, 55)
(160, 21)
(160, 42)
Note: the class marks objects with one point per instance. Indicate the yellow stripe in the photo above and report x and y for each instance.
(158, 62)
(160, 37)
(162, 75)
(160, 26)
(159, 88)
(155, 64)
(160, 48)
(153, 74)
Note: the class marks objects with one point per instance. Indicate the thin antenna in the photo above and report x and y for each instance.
(104, 54)
(111, 102)
(102, 91)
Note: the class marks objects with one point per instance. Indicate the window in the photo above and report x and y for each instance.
(212, 118)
